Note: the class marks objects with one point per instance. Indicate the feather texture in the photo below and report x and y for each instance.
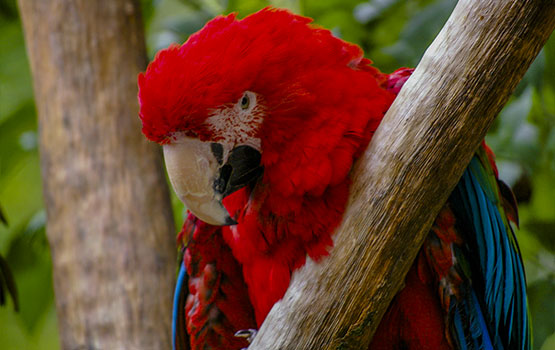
(216, 304)
(322, 102)
(496, 278)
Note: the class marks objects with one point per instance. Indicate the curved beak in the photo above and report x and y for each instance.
(203, 173)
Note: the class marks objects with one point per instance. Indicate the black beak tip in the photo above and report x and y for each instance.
(229, 221)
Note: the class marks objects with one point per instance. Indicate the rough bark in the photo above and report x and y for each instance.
(109, 224)
(414, 161)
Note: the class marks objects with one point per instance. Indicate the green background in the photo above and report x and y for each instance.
(393, 33)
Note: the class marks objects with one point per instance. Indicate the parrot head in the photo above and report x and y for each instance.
(264, 99)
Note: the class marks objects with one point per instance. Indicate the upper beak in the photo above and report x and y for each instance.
(203, 173)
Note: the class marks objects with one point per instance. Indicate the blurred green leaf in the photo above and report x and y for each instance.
(147, 10)
(420, 31)
(542, 306)
(7, 285)
(8, 9)
(12, 151)
(29, 255)
(15, 77)
(549, 52)
(371, 10)
(3, 218)
(513, 137)
(21, 195)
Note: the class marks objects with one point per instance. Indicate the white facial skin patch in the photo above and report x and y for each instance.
(193, 166)
(238, 124)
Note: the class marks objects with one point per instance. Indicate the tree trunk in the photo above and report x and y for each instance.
(109, 224)
(414, 161)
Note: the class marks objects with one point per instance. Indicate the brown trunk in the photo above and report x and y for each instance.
(414, 161)
(109, 224)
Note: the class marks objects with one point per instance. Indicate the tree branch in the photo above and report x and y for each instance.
(110, 225)
(414, 161)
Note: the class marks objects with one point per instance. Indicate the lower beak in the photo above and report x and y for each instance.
(201, 177)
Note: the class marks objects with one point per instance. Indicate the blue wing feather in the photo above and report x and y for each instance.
(179, 337)
(491, 313)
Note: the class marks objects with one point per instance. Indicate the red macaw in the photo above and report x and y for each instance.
(260, 120)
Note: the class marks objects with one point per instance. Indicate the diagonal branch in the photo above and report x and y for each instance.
(414, 161)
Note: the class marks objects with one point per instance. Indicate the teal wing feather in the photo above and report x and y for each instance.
(180, 338)
(491, 311)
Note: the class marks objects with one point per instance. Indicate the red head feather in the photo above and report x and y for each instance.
(273, 53)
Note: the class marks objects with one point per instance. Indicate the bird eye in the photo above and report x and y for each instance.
(245, 101)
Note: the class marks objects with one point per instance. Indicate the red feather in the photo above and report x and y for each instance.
(322, 107)
(218, 304)
(413, 325)
(323, 101)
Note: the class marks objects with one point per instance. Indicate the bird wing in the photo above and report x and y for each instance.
(475, 257)
(483, 287)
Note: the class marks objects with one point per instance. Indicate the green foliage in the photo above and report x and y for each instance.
(393, 33)
(23, 243)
